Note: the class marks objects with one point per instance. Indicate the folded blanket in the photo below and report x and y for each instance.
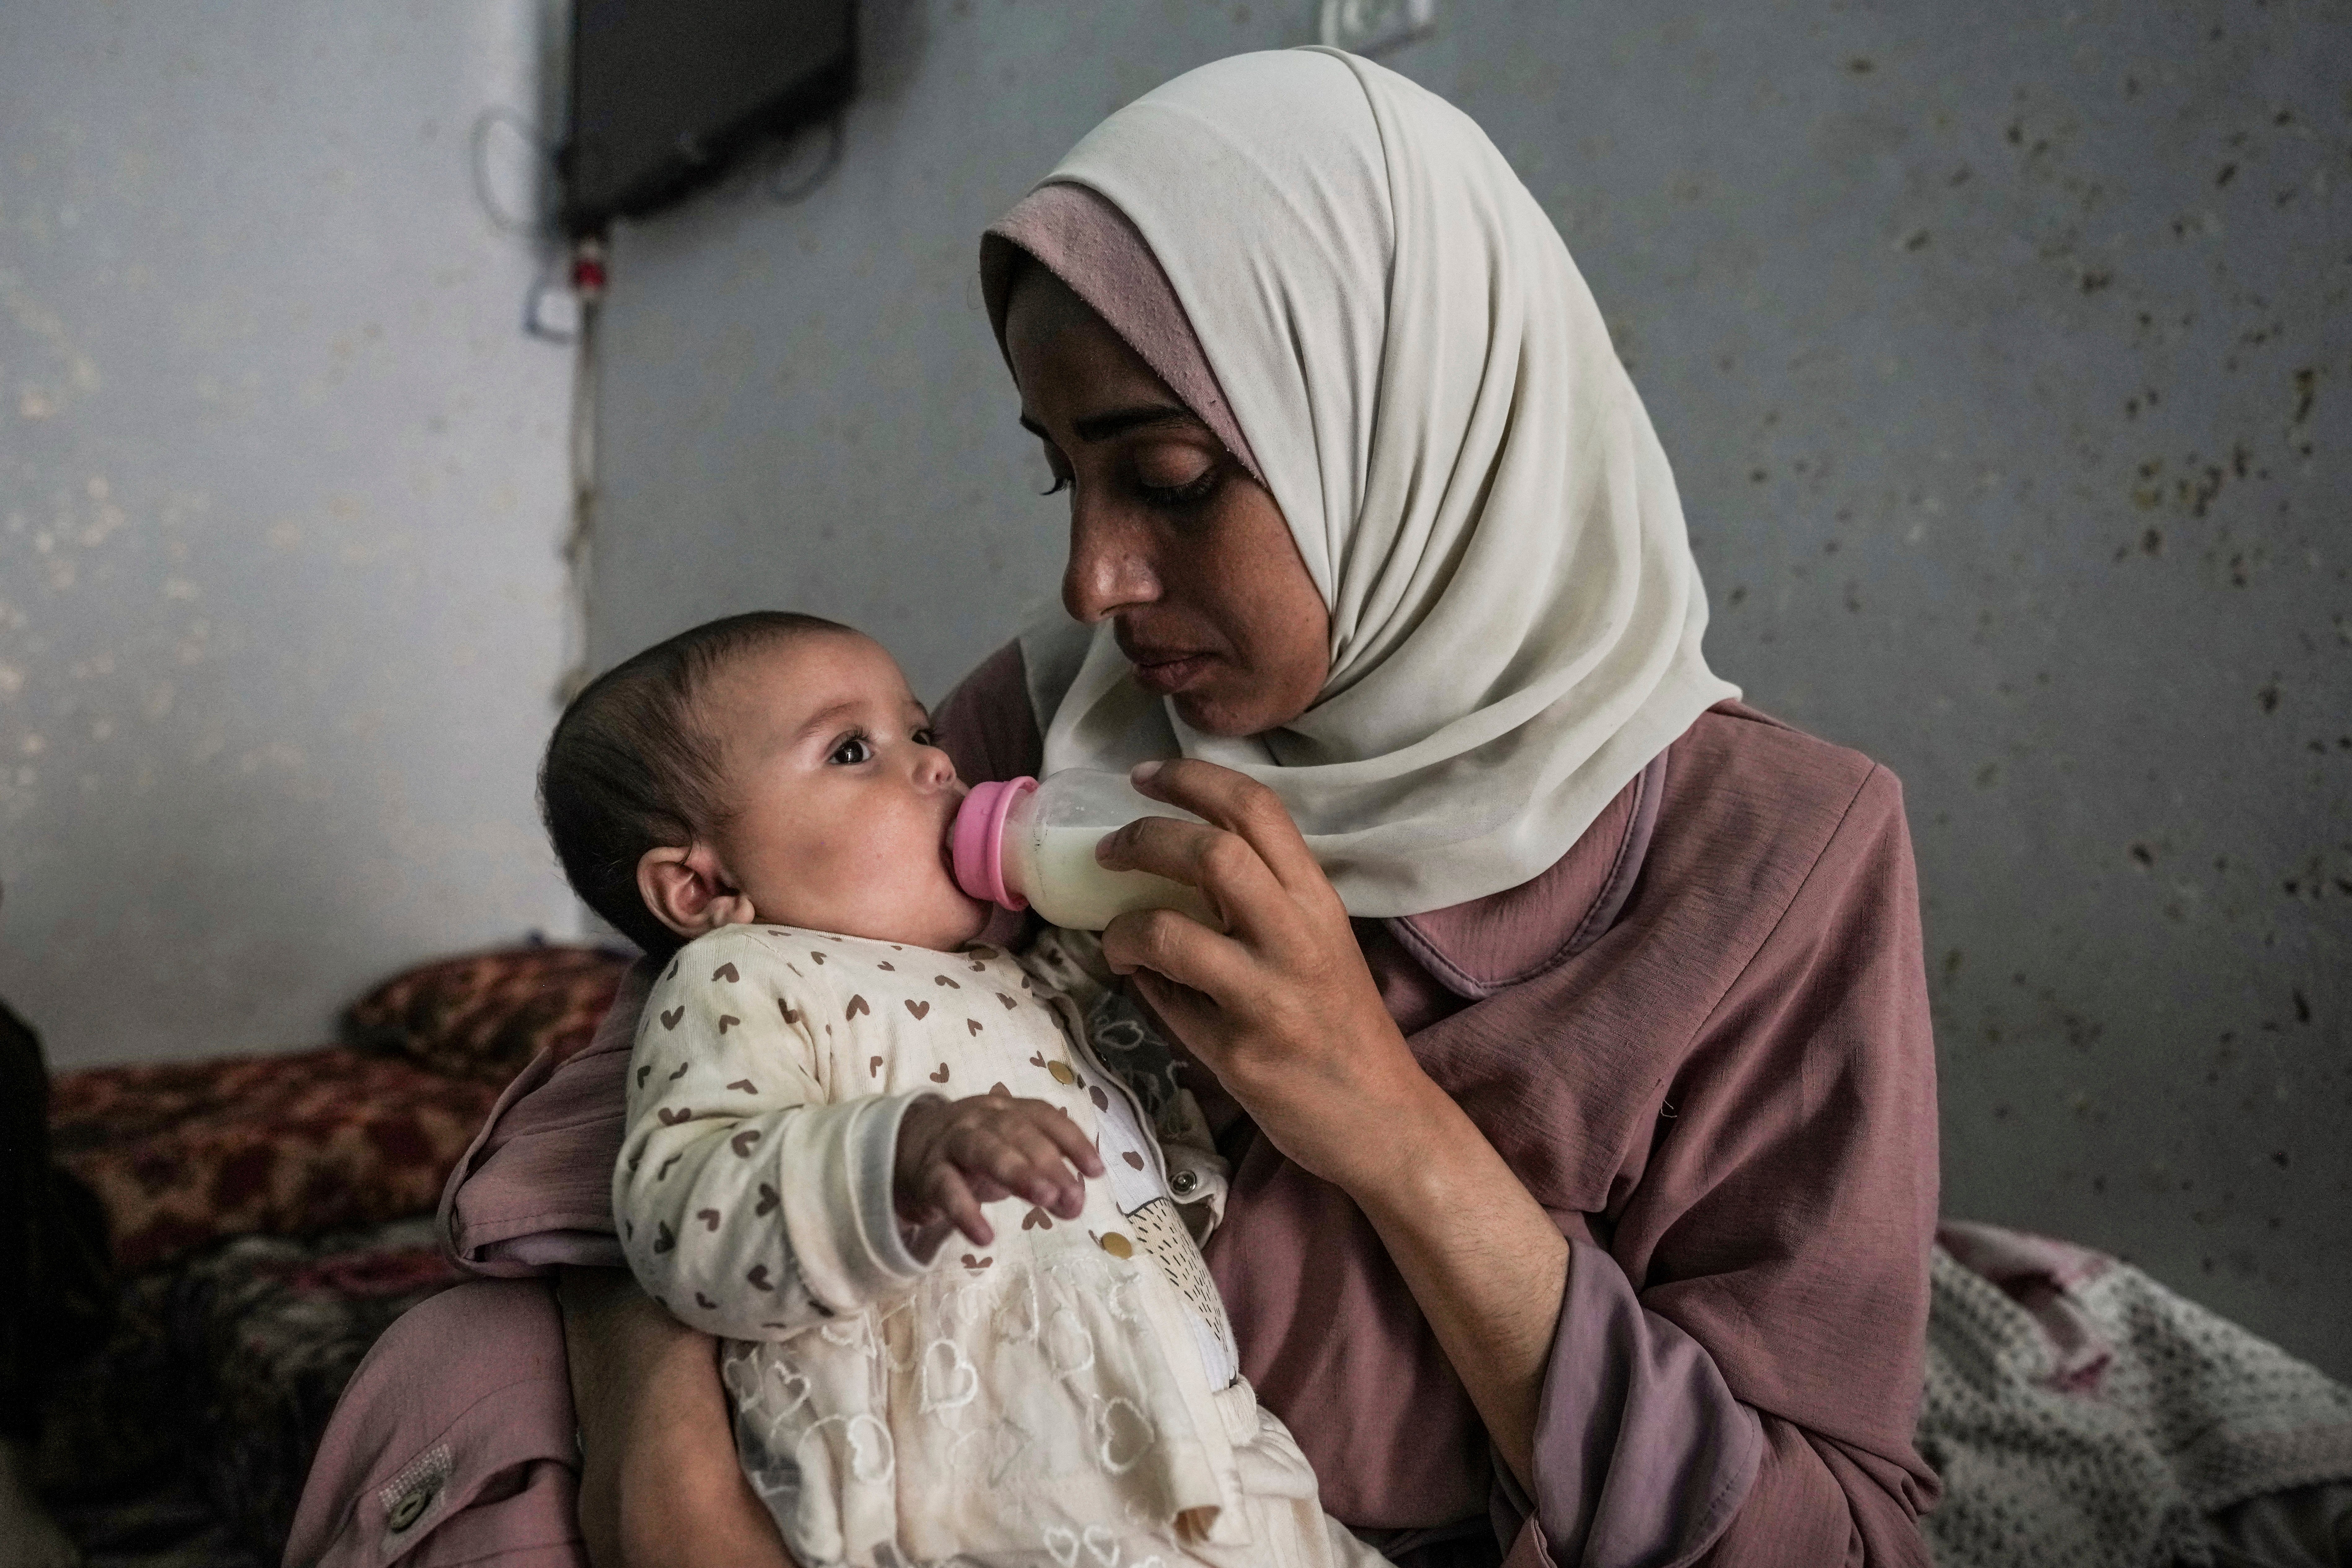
(183, 1154)
(2081, 1414)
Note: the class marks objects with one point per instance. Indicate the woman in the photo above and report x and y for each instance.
(1570, 1035)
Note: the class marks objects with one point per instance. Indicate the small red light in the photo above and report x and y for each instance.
(588, 271)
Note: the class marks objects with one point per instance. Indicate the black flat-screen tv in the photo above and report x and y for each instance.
(665, 92)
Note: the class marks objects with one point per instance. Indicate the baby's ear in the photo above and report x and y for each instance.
(688, 891)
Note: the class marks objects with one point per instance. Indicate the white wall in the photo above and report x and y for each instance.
(2005, 358)
(281, 490)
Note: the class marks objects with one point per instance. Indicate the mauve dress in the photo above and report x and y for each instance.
(1702, 1042)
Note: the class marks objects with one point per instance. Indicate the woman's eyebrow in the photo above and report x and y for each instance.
(1119, 421)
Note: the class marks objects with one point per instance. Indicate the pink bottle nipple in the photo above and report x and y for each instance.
(977, 840)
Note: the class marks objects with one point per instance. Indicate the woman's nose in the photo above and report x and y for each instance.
(1108, 568)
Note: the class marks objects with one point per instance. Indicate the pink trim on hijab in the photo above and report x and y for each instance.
(1078, 236)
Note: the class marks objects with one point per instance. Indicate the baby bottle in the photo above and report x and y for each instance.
(1023, 842)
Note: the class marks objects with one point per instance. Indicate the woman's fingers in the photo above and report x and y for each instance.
(1184, 951)
(1192, 1016)
(1221, 864)
(1281, 1008)
(1240, 805)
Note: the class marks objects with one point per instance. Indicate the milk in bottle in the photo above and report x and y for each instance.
(1024, 844)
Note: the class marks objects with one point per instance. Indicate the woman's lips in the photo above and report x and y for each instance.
(1167, 674)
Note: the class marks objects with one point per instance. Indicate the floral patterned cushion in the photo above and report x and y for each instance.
(238, 1322)
(486, 1015)
(182, 1153)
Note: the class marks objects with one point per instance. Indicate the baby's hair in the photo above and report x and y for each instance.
(628, 769)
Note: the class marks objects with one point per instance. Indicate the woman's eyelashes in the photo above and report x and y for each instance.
(1058, 471)
(1151, 490)
(1179, 497)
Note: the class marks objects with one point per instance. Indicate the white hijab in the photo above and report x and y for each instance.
(1431, 393)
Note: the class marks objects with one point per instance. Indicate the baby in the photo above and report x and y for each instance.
(832, 1077)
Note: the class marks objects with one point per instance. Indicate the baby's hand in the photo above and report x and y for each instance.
(957, 1154)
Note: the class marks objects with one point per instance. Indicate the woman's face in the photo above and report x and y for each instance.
(1171, 538)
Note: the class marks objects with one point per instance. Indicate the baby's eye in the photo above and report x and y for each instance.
(853, 751)
(925, 736)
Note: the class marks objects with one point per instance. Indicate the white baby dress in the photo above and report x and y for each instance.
(1067, 1395)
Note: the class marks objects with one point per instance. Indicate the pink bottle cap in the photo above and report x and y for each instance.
(977, 841)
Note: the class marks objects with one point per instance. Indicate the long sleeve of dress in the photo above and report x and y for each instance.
(1752, 1403)
(1643, 1455)
(749, 1204)
(1822, 1197)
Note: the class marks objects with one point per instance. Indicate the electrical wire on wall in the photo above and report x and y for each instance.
(788, 193)
(561, 304)
(587, 274)
(559, 307)
(537, 221)
(530, 215)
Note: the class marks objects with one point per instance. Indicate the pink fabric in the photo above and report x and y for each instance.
(2039, 1273)
(531, 1203)
(1725, 1100)
(1646, 1456)
(1517, 933)
(1089, 244)
(462, 1413)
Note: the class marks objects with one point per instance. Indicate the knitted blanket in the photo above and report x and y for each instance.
(2082, 1415)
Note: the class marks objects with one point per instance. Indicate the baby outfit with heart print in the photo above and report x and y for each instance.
(1067, 1395)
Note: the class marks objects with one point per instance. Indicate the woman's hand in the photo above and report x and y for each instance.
(1283, 1009)
(659, 1482)
(1280, 1004)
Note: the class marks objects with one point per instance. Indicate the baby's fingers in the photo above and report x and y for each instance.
(1054, 1145)
(1075, 1145)
(985, 1189)
(1026, 1162)
(953, 1196)
(923, 1242)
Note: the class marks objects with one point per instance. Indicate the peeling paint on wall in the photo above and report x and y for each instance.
(281, 493)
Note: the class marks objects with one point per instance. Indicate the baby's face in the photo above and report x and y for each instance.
(840, 805)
